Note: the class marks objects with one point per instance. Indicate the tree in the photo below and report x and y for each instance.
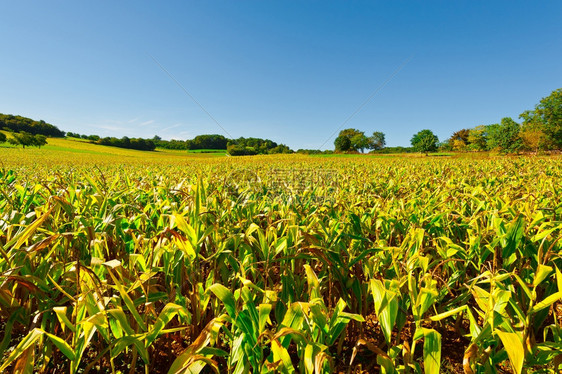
(533, 136)
(425, 141)
(505, 136)
(39, 140)
(547, 118)
(377, 141)
(459, 140)
(23, 138)
(2, 137)
(477, 138)
(342, 143)
(359, 142)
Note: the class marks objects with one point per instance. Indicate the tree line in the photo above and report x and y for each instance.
(235, 147)
(540, 130)
(18, 124)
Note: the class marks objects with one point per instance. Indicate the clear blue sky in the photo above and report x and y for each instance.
(291, 71)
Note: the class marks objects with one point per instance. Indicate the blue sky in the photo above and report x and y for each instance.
(291, 71)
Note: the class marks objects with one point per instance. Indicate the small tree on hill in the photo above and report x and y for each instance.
(425, 141)
(26, 139)
(2, 137)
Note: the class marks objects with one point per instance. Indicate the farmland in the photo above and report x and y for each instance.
(125, 261)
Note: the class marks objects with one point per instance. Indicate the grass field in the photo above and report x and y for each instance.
(116, 260)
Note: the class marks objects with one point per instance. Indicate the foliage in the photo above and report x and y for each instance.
(505, 136)
(424, 141)
(26, 139)
(130, 143)
(478, 138)
(238, 150)
(254, 146)
(394, 150)
(377, 141)
(353, 140)
(207, 142)
(460, 140)
(546, 118)
(342, 143)
(23, 124)
(2, 137)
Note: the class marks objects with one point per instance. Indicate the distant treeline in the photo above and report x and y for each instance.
(540, 130)
(255, 146)
(235, 147)
(24, 124)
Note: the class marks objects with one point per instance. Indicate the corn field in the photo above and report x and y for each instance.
(285, 264)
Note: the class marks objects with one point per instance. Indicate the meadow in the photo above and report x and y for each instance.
(115, 260)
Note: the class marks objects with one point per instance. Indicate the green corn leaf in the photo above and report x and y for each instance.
(165, 316)
(227, 298)
(386, 306)
(263, 310)
(128, 302)
(432, 351)
(62, 345)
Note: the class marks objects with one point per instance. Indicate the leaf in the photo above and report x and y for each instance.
(512, 344)
(432, 351)
(541, 273)
(168, 312)
(448, 313)
(28, 232)
(128, 302)
(60, 311)
(263, 310)
(112, 263)
(547, 302)
(227, 298)
(280, 353)
(28, 342)
(386, 306)
(62, 346)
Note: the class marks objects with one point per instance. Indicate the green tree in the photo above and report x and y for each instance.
(377, 141)
(425, 141)
(39, 140)
(342, 143)
(2, 137)
(505, 136)
(23, 138)
(547, 118)
(357, 139)
(359, 142)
